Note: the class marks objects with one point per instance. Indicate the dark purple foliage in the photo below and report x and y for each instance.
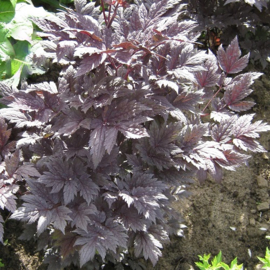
(105, 150)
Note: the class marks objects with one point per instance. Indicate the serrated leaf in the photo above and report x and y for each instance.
(248, 144)
(90, 62)
(100, 239)
(60, 217)
(148, 246)
(223, 131)
(12, 163)
(80, 215)
(230, 60)
(88, 189)
(110, 139)
(131, 219)
(18, 118)
(167, 83)
(49, 87)
(210, 76)
(79, 4)
(66, 243)
(7, 198)
(96, 144)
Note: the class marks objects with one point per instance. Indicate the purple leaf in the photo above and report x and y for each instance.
(66, 243)
(210, 76)
(4, 134)
(241, 106)
(88, 189)
(19, 118)
(65, 49)
(90, 62)
(110, 138)
(230, 60)
(60, 217)
(12, 163)
(233, 159)
(7, 198)
(244, 127)
(248, 144)
(27, 102)
(133, 131)
(80, 215)
(152, 157)
(96, 144)
(49, 87)
(222, 132)
(112, 237)
(131, 219)
(27, 170)
(147, 245)
(79, 5)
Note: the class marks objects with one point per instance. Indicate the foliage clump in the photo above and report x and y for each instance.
(98, 156)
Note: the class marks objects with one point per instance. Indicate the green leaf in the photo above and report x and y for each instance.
(13, 2)
(217, 259)
(7, 11)
(20, 30)
(6, 50)
(266, 260)
(3, 71)
(15, 79)
(22, 49)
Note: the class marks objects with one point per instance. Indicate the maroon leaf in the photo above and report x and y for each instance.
(66, 243)
(233, 159)
(96, 144)
(4, 133)
(49, 87)
(60, 217)
(248, 144)
(242, 106)
(147, 245)
(12, 163)
(80, 215)
(7, 198)
(91, 62)
(210, 76)
(230, 60)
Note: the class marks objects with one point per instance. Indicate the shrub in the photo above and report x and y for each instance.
(98, 156)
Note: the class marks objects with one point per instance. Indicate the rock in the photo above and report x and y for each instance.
(262, 182)
(258, 267)
(263, 206)
(252, 221)
(253, 211)
(263, 227)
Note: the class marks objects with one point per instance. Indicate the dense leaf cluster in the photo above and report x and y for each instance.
(248, 19)
(103, 152)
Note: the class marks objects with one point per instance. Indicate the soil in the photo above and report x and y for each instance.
(232, 216)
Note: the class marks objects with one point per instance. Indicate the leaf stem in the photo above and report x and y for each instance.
(114, 15)
(220, 87)
(103, 11)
